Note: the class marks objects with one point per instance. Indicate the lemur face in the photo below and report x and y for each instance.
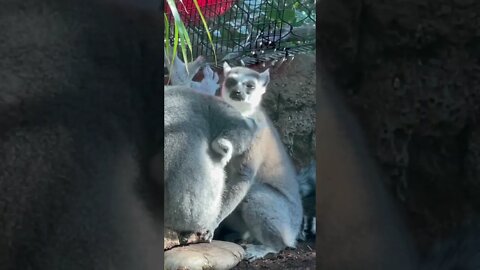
(240, 89)
(244, 85)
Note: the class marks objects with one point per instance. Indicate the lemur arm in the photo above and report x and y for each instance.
(181, 74)
(237, 184)
(209, 83)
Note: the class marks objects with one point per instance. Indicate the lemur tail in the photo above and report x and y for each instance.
(307, 179)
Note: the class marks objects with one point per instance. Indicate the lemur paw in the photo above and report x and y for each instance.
(255, 252)
(302, 236)
(308, 228)
(224, 148)
(205, 236)
(179, 74)
(201, 236)
(210, 74)
(209, 83)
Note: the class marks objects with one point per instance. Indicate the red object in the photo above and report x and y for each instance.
(210, 9)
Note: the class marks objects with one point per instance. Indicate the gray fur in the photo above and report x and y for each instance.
(263, 78)
(194, 172)
(307, 180)
(271, 211)
(181, 74)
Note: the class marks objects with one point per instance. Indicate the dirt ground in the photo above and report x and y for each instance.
(302, 258)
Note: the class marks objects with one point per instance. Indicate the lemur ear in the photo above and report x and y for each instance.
(265, 77)
(226, 67)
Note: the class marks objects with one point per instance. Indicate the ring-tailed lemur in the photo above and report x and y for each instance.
(271, 211)
(201, 134)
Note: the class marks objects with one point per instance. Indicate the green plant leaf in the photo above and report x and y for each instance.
(289, 16)
(166, 36)
(180, 32)
(181, 35)
(204, 22)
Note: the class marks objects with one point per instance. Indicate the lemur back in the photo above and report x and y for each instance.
(193, 167)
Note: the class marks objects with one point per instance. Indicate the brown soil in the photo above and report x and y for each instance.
(302, 258)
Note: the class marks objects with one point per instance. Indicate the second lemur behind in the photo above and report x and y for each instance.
(270, 209)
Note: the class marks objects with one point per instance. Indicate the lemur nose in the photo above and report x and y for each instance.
(236, 95)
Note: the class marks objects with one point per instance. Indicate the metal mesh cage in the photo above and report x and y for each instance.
(249, 31)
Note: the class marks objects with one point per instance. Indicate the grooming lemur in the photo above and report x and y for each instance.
(202, 133)
(271, 209)
(306, 176)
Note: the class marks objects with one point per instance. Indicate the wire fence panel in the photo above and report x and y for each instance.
(249, 31)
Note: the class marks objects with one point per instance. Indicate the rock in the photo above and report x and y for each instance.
(170, 239)
(217, 255)
(410, 71)
(290, 103)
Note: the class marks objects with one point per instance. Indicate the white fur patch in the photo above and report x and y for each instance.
(248, 106)
(314, 226)
(225, 148)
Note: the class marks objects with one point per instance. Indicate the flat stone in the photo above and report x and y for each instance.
(217, 255)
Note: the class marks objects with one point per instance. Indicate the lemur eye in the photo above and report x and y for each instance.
(230, 82)
(250, 86)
